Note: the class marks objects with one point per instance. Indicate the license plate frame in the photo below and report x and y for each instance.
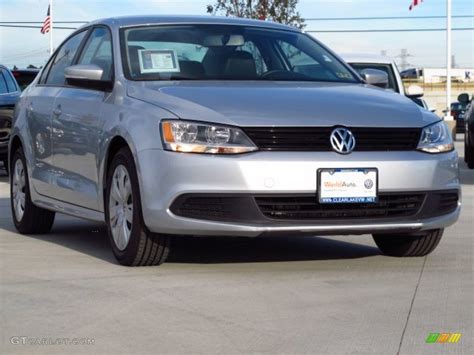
(364, 198)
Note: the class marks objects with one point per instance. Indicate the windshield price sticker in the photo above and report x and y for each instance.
(347, 186)
(158, 61)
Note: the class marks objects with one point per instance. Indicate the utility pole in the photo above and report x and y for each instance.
(448, 116)
(404, 55)
(51, 49)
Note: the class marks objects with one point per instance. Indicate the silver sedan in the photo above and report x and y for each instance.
(165, 126)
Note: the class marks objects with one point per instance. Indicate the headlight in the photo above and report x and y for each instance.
(194, 137)
(436, 139)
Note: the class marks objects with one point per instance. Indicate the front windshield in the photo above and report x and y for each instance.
(221, 52)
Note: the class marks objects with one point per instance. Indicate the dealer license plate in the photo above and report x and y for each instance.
(347, 185)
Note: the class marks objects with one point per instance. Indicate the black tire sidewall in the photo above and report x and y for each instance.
(19, 155)
(128, 255)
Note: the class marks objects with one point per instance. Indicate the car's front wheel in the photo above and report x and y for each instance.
(408, 245)
(132, 243)
(27, 217)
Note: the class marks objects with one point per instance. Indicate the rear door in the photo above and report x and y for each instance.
(76, 127)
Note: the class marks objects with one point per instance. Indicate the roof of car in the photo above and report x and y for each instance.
(365, 58)
(126, 21)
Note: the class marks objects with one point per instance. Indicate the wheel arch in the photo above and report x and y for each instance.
(116, 143)
(15, 143)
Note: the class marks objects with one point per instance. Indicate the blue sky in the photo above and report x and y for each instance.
(25, 46)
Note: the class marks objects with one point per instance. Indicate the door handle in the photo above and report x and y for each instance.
(57, 111)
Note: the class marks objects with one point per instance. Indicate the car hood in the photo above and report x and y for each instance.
(282, 103)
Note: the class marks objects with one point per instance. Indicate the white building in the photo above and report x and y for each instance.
(438, 75)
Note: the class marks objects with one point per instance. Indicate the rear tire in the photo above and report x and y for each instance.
(27, 217)
(403, 245)
(132, 243)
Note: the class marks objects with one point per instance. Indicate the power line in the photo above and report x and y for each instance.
(33, 22)
(393, 30)
(308, 31)
(383, 18)
(26, 26)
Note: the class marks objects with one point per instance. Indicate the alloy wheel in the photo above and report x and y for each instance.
(121, 207)
(18, 190)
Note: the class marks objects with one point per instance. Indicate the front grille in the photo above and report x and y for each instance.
(308, 207)
(317, 138)
(4, 135)
(448, 201)
(270, 208)
(217, 208)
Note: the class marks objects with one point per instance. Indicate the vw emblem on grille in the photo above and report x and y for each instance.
(368, 183)
(342, 141)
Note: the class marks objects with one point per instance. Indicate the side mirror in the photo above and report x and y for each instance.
(414, 91)
(375, 77)
(87, 76)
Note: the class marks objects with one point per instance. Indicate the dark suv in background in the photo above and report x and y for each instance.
(458, 111)
(9, 94)
(25, 77)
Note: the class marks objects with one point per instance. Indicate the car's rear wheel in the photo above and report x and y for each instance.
(408, 245)
(27, 217)
(132, 243)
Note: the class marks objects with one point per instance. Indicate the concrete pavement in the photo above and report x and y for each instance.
(315, 295)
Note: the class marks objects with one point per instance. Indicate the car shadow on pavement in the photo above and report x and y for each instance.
(216, 250)
(91, 239)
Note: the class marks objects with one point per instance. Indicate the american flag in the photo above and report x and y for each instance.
(47, 23)
(415, 3)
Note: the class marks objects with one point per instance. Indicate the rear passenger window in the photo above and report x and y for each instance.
(64, 59)
(3, 84)
(98, 51)
(11, 86)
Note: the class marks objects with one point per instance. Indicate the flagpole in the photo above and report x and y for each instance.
(448, 116)
(51, 27)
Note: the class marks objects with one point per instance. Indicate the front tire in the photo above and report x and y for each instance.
(132, 243)
(403, 245)
(27, 217)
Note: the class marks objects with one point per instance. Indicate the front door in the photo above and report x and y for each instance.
(77, 124)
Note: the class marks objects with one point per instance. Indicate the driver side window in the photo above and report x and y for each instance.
(64, 59)
(98, 51)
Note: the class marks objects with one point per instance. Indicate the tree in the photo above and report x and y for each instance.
(31, 66)
(283, 11)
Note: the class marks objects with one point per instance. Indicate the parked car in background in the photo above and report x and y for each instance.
(207, 126)
(411, 73)
(458, 111)
(361, 62)
(9, 95)
(25, 77)
(469, 135)
(372, 61)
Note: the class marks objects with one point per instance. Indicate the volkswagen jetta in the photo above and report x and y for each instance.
(164, 126)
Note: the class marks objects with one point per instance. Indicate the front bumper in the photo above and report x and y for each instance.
(166, 176)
